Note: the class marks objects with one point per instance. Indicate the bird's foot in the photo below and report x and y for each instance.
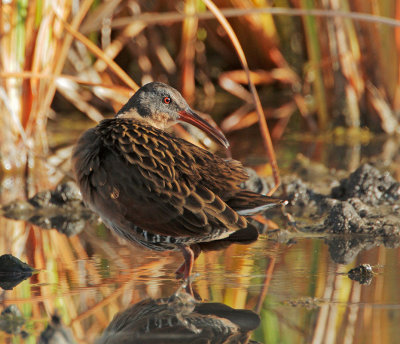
(187, 285)
(181, 301)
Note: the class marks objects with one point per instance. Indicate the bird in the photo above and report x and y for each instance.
(161, 191)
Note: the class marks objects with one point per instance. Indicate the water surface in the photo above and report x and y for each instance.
(300, 292)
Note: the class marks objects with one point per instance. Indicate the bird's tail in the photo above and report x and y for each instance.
(248, 203)
(243, 236)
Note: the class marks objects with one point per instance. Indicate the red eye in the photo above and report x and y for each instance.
(166, 100)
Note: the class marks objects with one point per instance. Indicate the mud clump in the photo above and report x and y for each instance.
(362, 209)
(363, 274)
(61, 209)
(13, 271)
(368, 185)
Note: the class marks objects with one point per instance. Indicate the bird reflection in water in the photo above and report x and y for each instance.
(180, 319)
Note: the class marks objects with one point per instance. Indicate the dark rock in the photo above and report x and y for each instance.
(11, 264)
(41, 199)
(343, 218)
(13, 271)
(298, 193)
(67, 193)
(362, 274)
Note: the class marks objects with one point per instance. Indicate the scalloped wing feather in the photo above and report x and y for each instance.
(166, 185)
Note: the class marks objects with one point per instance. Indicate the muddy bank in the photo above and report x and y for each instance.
(350, 212)
(358, 212)
(61, 209)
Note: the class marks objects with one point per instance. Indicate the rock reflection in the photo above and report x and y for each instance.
(180, 319)
(61, 209)
(12, 321)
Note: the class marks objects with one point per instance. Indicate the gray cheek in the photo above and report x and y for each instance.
(144, 111)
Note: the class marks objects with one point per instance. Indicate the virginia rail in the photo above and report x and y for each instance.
(159, 190)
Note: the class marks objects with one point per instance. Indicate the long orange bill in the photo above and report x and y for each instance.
(191, 117)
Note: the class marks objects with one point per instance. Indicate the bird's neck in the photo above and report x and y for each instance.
(159, 120)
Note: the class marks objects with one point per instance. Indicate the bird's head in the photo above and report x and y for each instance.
(161, 106)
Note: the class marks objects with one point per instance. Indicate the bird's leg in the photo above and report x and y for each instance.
(194, 250)
(188, 255)
(179, 271)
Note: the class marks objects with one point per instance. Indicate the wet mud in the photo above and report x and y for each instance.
(357, 212)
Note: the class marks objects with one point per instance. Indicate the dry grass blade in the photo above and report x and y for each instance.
(229, 82)
(315, 54)
(13, 115)
(96, 16)
(389, 122)
(170, 17)
(63, 50)
(30, 75)
(72, 93)
(115, 47)
(349, 55)
(100, 54)
(261, 118)
(189, 31)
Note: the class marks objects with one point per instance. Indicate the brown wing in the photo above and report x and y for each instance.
(142, 176)
(220, 175)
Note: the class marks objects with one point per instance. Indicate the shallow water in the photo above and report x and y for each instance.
(294, 284)
(302, 296)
